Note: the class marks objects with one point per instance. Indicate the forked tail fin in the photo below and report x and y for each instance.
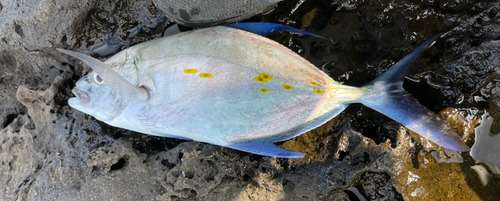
(388, 97)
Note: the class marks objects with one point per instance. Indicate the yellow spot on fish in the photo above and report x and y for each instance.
(287, 87)
(313, 83)
(319, 91)
(263, 78)
(190, 71)
(264, 90)
(266, 76)
(206, 75)
(260, 79)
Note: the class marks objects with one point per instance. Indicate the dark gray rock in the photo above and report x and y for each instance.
(200, 13)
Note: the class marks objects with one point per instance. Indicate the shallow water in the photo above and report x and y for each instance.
(486, 144)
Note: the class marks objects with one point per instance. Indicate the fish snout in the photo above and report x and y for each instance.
(82, 96)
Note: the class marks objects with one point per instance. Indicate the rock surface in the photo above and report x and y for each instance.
(200, 13)
(48, 151)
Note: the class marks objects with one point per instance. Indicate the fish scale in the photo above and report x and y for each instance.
(236, 89)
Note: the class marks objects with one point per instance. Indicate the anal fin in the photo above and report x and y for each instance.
(265, 149)
(171, 136)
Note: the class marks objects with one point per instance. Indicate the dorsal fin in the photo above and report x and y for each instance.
(265, 28)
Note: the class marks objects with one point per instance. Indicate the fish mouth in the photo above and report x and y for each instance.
(82, 97)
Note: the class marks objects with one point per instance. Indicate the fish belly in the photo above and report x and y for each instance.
(207, 99)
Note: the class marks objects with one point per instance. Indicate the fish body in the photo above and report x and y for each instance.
(232, 88)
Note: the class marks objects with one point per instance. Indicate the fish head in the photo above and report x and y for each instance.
(96, 98)
(103, 93)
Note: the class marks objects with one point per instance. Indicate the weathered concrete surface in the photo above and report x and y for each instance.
(49, 151)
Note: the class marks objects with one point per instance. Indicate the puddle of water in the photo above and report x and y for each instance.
(487, 144)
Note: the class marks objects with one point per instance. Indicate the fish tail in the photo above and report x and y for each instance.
(386, 95)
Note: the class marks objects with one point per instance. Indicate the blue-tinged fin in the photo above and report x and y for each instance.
(388, 97)
(398, 72)
(394, 102)
(171, 136)
(265, 148)
(265, 28)
(334, 110)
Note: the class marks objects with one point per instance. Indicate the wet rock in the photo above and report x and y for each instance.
(490, 92)
(465, 127)
(486, 171)
(376, 186)
(111, 26)
(317, 144)
(415, 183)
(460, 6)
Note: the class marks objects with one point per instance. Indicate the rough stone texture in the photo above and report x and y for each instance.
(48, 151)
(201, 13)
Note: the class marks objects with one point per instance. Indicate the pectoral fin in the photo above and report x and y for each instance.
(265, 148)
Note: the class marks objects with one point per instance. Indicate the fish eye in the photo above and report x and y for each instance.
(98, 79)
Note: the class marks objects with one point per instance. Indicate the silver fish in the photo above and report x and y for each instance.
(236, 89)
